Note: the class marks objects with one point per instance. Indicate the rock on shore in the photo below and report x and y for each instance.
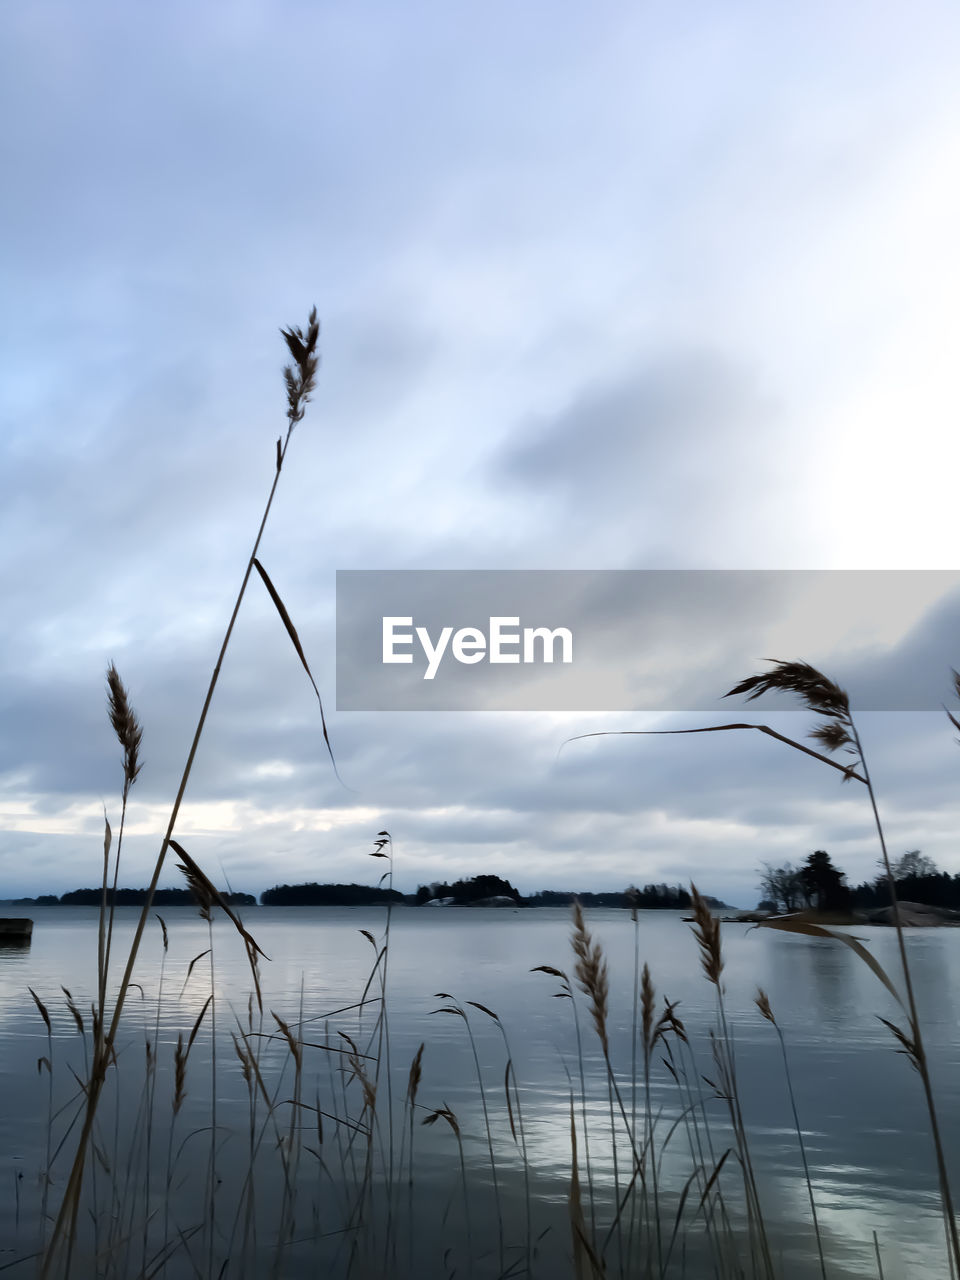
(915, 914)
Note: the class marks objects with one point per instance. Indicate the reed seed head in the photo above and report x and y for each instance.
(910, 1045)
(242, 1055)
(291, 1041)
(179, 1074)
(592, 975)
(706, 928)
(648, 999)
(301, 376)
(763, 1004)
(125, 725)
(200, 888)
(443, 1113)
(44, 1013)
(668, 1021)
(817, 691)
(75, 1012)
(416, 1074)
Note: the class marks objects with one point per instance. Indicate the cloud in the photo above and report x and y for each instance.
(609, 290)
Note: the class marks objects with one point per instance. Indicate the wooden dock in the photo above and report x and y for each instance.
(15, 928)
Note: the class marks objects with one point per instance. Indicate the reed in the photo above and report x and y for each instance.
(763, 1004)
(454, 1007)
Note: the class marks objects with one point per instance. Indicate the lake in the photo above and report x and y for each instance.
(345, 1204)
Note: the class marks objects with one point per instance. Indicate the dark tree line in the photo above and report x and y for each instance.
(328, 895)
(129, 898)
(819, 885)
(465, 891)
(652, 897)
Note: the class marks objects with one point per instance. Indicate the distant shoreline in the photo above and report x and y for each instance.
(336, 895)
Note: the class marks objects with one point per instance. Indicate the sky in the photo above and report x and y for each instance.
(608, 287)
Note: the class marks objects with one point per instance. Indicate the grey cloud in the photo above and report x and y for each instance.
(675, 444)
(184, 181)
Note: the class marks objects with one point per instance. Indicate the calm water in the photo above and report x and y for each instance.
(859, 1102)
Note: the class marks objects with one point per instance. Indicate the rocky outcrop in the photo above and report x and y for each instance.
(914, 914)
(498, 900)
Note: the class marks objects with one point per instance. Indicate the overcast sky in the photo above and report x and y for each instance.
(601, 287)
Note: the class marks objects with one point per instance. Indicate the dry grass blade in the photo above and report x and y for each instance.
(956, 689)
(196, 1026)
(196, 959)
(678, 1216)
(506, 1090)
(848, 771)
(163, 927)
(789, 925)
(198, 878)
(713, 1177)
(295, 639)
(207, 891)
(483, 1009)
(342, 1120)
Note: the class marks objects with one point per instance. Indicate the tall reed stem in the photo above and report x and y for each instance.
(298, 389)
(920, 1057)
